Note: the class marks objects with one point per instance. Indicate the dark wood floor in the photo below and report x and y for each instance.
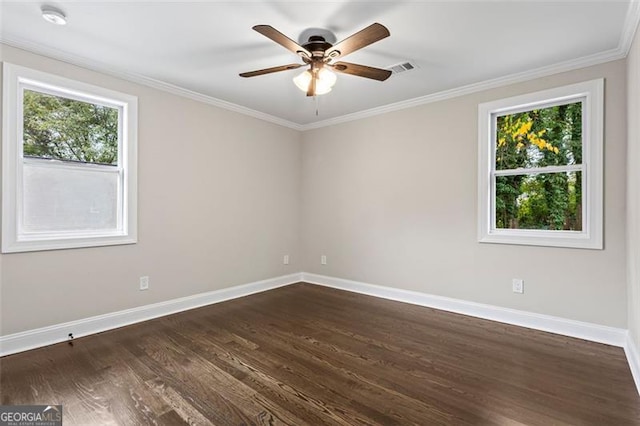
(304, 354)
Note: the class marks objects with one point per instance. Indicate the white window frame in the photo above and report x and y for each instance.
(591, 93)
(14, 239)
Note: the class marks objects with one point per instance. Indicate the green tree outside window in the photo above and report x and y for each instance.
(533, 139)
(69, 130)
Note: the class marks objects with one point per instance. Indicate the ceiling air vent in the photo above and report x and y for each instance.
(402, 67)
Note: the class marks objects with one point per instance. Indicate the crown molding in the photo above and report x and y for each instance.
(630, 26)
(631, 22)
(143, 80)
(583, 62)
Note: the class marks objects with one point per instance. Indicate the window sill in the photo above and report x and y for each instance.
(566, 239)
(65, 243)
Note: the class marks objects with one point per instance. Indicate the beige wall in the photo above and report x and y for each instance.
(633, 189)
(218, 206)
(392, 200)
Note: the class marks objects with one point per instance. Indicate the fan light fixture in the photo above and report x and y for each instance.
(319, 55)
(324, 83)
(53, 15)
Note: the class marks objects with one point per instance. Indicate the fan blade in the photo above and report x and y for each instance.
(371, 34)
(270, 70)
(362, 71)
(275, 35)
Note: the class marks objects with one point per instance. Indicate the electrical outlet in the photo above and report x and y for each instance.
(518, 285)
(285, 259)
(323, 260)
(144, 283)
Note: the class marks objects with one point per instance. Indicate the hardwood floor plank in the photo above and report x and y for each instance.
(305, 354)
(349, 375)
(200, 375)
(182, 407)
(281, 390)
(171, 418)
(290, 353)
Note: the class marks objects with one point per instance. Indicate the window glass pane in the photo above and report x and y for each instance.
(66, 129)
(538, 138)
(69, 199)
(546, 201)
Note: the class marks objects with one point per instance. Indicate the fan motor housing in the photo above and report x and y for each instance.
(317, 45)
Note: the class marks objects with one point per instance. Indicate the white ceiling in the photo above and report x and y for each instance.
(202, 46)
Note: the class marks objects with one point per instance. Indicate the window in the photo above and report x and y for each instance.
(68, 163)
(540, 168)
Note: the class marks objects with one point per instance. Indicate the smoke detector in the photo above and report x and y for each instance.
(53, 15)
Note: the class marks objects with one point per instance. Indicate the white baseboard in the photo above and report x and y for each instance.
(566, 327)
(57, 333)
(631, 351)
(44, 336)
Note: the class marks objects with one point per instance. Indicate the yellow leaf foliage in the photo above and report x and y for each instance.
(519, 131)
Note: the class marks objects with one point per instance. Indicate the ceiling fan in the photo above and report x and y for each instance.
(319, 54)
